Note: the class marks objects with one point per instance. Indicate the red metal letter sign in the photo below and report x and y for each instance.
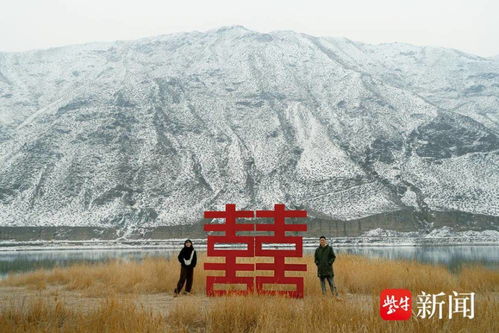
(255, 247)
(279, 266)
(230, 266)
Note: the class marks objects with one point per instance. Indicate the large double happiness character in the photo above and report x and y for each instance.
(255, 247)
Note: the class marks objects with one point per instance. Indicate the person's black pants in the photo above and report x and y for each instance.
(330, 281)
(186, 274)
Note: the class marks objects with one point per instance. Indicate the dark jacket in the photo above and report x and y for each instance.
(185, 253)
(324, 258)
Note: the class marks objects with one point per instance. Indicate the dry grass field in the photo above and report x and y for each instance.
(136, 296)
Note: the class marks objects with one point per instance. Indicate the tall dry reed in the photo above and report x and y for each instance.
(359, 280)
(353, 274)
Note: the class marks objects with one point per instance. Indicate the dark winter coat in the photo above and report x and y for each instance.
(324, 258)
(185, 253)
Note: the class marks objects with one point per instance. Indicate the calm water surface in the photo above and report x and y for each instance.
(451, 256)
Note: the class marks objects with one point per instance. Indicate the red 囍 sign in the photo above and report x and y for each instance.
(254, 246)
(395, 304)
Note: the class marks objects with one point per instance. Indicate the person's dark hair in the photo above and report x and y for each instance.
(322, 237)
(187, 241)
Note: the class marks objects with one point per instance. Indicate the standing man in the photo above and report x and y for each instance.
(188, 259)
(324, 258)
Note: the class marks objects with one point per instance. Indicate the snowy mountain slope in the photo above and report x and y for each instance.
(154, 131)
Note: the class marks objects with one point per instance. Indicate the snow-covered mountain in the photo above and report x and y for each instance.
(154, 131)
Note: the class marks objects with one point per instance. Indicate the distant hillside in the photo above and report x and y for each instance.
(152, 132)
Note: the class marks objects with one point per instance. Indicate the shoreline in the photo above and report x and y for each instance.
(172, 244)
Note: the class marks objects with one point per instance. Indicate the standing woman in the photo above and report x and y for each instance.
(188, 260)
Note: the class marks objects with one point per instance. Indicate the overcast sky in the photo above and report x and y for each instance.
(471, 26)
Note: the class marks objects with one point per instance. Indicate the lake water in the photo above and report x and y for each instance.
(451, 256)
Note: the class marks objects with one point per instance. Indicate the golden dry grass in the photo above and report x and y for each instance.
(362, 277)
(236, 314)
(113, 315)
(353, 274)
